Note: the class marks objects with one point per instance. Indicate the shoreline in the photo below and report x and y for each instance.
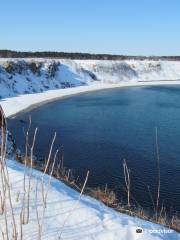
(26, 104)
(14, 105)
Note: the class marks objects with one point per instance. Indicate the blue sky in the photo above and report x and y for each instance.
(133, 27)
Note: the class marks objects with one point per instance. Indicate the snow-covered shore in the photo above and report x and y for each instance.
(90, 219)
(24, 83)
(75, 219)
(14, 105)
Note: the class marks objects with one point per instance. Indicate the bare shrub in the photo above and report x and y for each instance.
(105, 195)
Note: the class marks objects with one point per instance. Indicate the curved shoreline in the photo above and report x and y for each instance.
(27, 102)
(14, 105)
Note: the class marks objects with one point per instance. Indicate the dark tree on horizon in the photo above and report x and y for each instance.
(80, 56)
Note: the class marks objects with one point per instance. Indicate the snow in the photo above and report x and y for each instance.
(23, 86)
(14, 105)
(75, 219)
(87, 219)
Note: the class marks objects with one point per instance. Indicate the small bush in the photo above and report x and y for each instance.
(35, 67)
(52, 69)
(9, 67)
(105, 195)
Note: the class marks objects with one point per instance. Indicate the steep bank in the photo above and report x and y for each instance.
(68, 217)
(27, 82)
(35, 76)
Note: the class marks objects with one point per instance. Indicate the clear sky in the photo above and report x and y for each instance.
(133, 27)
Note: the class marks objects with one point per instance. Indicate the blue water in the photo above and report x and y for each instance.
(99, 130)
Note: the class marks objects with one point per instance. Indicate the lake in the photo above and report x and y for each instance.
(100, 129)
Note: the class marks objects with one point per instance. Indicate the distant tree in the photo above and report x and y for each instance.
(83, 56)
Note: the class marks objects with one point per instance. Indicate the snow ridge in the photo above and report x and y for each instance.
(19, 76)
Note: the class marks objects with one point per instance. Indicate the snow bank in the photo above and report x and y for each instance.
(27, 82)
(34, 76)
(132, 70)
(86, 219)
(13, 105)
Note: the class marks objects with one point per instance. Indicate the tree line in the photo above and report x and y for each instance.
(80, 56)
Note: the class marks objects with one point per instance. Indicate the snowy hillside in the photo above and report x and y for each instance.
(69, 217)
(35, 76)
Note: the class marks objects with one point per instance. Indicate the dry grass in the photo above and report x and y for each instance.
(104, 195)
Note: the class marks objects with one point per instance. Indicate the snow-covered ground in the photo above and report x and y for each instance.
(74, 219)
(27, 82)
(24, 83)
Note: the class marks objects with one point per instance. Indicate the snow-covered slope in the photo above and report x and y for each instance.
(35, 76)
(48, 79)
(71, 218)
